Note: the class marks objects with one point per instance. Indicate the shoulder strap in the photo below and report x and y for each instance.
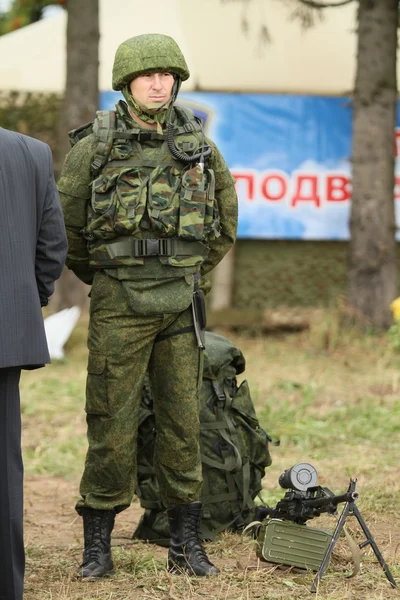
(75, 135)
(183, 113)
(189, 122)
(103, 127)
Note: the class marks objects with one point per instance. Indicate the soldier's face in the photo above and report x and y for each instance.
(152, 87)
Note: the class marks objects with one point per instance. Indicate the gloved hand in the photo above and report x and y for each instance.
(82, 271)
(204, 285)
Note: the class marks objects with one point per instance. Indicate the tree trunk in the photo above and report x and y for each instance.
(80, 104)
(372, 256)
(81, 97)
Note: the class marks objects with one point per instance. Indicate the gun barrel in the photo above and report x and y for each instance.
(327, 500)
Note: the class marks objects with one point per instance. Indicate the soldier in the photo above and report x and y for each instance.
(149, 207)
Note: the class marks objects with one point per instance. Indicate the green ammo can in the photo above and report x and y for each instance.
(288, 543)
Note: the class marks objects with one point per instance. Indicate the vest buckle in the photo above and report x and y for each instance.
(152, 247)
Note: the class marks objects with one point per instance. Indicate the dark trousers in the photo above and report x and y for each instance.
(12, 556)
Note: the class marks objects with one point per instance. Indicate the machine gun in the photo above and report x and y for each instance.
(305, 500)
(283, 536)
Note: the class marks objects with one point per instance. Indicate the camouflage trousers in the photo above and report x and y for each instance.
(123, 345)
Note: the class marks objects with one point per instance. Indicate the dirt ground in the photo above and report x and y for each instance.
(53, 527)
(336, 406)
(50, 517)
(51, 520)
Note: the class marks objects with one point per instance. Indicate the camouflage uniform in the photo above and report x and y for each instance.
(140, 314)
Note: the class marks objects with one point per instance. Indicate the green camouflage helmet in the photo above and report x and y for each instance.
(147, 53)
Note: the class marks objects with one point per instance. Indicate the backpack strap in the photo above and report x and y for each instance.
(103, 127)
(75, 135)
(235, 467)
(107, 128)
(190, 123)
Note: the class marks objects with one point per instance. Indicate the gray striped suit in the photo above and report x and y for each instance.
(32, 251)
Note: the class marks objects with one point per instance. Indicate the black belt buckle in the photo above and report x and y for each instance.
(152, 247)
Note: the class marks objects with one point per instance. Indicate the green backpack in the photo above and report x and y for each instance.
(234, 450)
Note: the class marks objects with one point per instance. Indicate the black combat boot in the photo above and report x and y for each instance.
(185, 550)
(97, 528)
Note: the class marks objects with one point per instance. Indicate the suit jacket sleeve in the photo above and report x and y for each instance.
(51, 244)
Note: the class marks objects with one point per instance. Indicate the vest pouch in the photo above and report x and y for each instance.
(130, 204)
(192, 205)
(211, 219)
(101, 210)
(163, 199)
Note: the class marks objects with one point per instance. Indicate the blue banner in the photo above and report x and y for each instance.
(290, 156)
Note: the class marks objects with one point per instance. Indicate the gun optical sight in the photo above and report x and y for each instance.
(299, 477)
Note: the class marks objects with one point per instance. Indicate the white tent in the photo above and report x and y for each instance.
(220, 56)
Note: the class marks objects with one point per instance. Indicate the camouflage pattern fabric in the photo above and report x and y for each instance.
(147, 53)
(122, 345)
(195, 198)
(234, 449)
(118, 203)
(143, 192)
(75, 187)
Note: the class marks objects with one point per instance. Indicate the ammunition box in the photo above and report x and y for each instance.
(287, 543)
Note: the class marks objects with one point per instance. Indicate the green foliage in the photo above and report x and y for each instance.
(278, 273)
(138, 561)
(393, 336)
(354, 432)
(338, 411)
(55, 404)
(57, 457)
(25, 12)
(295, 420)
(281, 273)
(32, 113)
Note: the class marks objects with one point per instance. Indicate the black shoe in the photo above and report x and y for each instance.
(97, 528)
(186, 551)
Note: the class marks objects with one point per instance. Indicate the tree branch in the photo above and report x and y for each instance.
(315, 4)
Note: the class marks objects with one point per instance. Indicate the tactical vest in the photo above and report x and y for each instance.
(176, 200)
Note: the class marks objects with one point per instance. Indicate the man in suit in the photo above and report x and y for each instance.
(33, 246)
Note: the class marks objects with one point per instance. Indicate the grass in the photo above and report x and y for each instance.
(330, 394)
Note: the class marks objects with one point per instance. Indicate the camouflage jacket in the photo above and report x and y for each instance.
(144, 171)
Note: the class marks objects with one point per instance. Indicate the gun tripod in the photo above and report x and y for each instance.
(349, 509)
